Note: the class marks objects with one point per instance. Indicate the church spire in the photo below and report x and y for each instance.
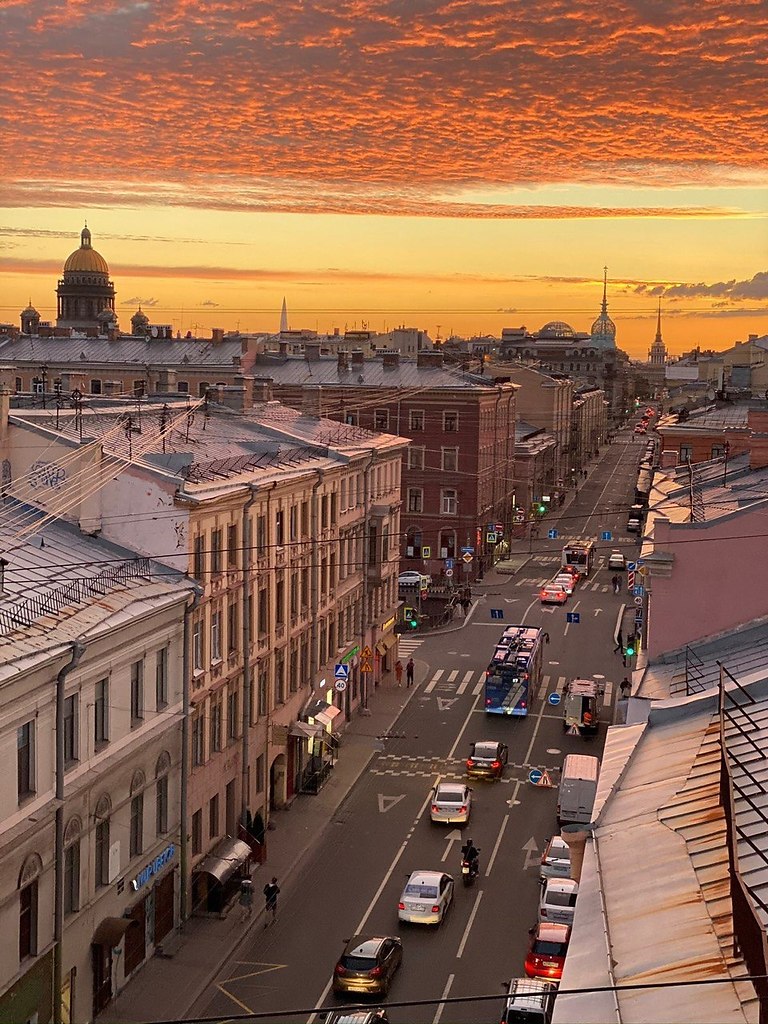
(604, 308)
(658, 340)
(284, 317)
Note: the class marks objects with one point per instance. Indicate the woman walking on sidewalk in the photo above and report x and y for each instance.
(399, 672)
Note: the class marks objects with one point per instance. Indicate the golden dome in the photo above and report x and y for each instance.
(86, 260)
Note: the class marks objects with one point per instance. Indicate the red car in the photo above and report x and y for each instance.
(547, 949)
(553, 593)
(640, 429)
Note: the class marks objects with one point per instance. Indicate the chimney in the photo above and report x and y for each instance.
(5, 408)
(390, 360)
(311, 351)
(335, 332)
(429, 357)
(283, 348)
(757, 421)
(668, 459)
(358, 357)
(166, 381)
(311, 402)
(753, 337)
(343, 361)
(261, 389)
(234, 396)
(217, 335)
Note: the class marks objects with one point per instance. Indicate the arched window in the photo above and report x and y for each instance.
(447, 543)
(101, 817)
(72, 865)
(29, 877)
(162, 768)
(413, 542)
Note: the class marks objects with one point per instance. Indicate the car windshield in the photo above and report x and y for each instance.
(422, 891)
(485, 750)
(558, 898)
(449, 797)
(542, 948)
(358, 963)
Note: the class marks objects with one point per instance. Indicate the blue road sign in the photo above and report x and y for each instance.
(638, 590)
(640, 563)
(631, 566)
(554, 699)
(467, 551)
(449, 563)
(341, 672)
(497, 613)
(552, 534)
(534, 775)
(574, 617)
(606, 535)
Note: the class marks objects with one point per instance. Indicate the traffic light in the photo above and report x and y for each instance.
(631, 646)
(541, 508)
(411, 619)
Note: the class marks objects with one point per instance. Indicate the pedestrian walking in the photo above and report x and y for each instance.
(545, 637)
(626, 687)
(399, 672)
(619, 642)
(409, 673)
(271, 892)
(616, 581)
(465, 606)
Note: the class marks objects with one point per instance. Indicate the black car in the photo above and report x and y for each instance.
(367, 965)
(487, 759)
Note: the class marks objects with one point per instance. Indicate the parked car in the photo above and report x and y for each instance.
(411, 578)
(426, 898)
(547, 950)
(529, 1001)
(558, 900)
(451, 803)
(487, 759)
(640, 429)
(556, 859)
(565, 580)
(552, 593)
(343, 1016)
(616, 560)
(367, 964)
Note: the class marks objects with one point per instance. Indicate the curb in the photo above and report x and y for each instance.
(289, 872)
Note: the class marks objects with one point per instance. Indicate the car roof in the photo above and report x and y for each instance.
(552, 586)
(559, 843)
(424, 877)
(451, 787)
(365, 945)
(548, 931)
(561, 885)
(351, 1016)
(527, 993)
(491, 745)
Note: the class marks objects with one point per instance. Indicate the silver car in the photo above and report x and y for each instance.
(451, 803)
(558, 900)
(556, 859)
(426, 897)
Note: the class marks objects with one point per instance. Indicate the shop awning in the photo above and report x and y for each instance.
(225, 859)
(305, 730)
(111, 930)
(328, 716)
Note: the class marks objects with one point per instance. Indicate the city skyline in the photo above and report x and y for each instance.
(460, 168)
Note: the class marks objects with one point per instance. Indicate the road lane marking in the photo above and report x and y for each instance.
(243, 1006)
(386, 803)
(470, 922)
(478, 686)
(452, 752)
(443, 997)
(453, 676)
(450, 840)
(433, 681)
(543, 687)
(497, 845)
(532, 855)
(324, 994)
(464, 683)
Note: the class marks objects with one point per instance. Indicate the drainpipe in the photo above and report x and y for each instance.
(197, 593)
(314, 587)
(366, 556)
(247, 688)
(78, 650)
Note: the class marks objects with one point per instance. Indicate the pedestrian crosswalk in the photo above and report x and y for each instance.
(595, 586)
(454, 683)
(408, 644)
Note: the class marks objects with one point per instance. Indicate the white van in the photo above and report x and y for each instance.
(578, 786)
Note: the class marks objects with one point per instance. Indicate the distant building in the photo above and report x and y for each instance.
(85, 294)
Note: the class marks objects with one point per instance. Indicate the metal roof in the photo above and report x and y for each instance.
(325, 372)
(90, 354)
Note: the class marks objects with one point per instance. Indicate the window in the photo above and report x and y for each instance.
(415, 499)
(25, 754)
(448, 502)
(294, 595)
(293, 523)
(280, 677)
(182, 386)
(447, 543)
(28, 920)
(260, 773)
(450, 460)
(293, 669)
(233, 712)
(686, 452)
(95, 386)
(213, 816)
(381, 419)
(324, 512)
(216, 636)
(72, 877)
(261, 534)
(416, 457)
(718, 451)
(161, 805)
(102, 852)
(304, 589)
(263, 684)
(198, 565)
(197, 833)
(279, 528)
(215, 552)
(450, 422)
(334, 508)
(101, 714)
(416, 419)
(198, 746)
(137, 693)
(70, 730)
(215, 723)
(197, 647)
(280, 602)
(263, 612)
(305, 518)
(137, 825)
(232, 545)
(161, 678)
(233, 631)
(413, 543)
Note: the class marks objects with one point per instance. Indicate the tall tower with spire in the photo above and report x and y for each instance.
(657, 355)
(284, 317)
(603, 330)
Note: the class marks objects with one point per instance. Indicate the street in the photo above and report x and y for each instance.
(352, 882)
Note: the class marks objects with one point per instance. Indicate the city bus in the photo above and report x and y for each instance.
(514, 671)
(579, 555)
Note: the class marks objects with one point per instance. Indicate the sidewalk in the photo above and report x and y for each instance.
(167, 988)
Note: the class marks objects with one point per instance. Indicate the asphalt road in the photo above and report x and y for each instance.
(382, 832)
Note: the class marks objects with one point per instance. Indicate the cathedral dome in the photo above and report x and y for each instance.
(86, 260)
(603, 327)
(557, 329)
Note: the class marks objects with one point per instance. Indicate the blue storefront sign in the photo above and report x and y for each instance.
(154, 867)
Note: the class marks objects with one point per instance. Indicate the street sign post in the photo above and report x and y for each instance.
(497, 613)
(341, 672)
(534, 776)
(466, 557)
(638, 590)
(552, 534)
(554, 699)
(490, 537)
(340, 685)
(449, 563)
(574, 617)
(366, 665)
(448, 573)
(606, 535)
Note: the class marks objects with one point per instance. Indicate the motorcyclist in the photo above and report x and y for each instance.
(470, 853)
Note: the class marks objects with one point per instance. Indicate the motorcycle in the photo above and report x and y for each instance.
(470, 869)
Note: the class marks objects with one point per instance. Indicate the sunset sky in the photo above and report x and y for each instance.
(467, 164)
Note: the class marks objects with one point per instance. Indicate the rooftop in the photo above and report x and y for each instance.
(91, 354)
(371, 373)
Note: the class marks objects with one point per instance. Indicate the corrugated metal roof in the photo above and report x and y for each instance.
(324, 372)
(91, 353)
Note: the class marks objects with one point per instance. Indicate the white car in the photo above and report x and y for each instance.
(566, 580)
(556, 859)
(451, 803)
(426, 897)
(411, 578)
(616, 560)
(557, 904)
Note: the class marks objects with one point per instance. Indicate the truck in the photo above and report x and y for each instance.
(582, 704)
(578, 787)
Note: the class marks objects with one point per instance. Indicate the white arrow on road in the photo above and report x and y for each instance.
(451, 838)
(531, 854)
(445, 704)
(386, 803)
(598, 610)
(511, 600)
